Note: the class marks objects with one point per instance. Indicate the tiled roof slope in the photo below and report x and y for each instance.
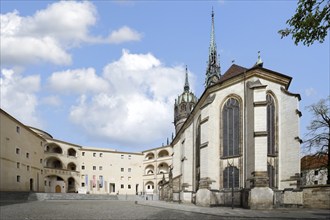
(233, 71)
(313, 162)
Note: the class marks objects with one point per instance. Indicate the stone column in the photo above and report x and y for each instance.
(261, 196)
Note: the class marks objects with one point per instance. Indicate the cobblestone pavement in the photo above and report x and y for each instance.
(141, 210)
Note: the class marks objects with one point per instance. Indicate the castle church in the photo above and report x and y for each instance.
(237, 143)
(239, 139)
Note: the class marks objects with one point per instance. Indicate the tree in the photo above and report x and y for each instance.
(310, 23)
(318, 136)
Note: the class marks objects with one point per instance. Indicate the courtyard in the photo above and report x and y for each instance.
(86, 209)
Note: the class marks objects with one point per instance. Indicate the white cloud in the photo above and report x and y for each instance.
(18, 96)
(139, 108)
(310, 92)
(77, 81)
(48, 35)
(51, 100)
(124, 34)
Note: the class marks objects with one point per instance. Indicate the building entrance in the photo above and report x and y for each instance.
(57, 188)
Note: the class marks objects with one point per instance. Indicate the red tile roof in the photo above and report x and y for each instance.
(313, 162)
(233, 71)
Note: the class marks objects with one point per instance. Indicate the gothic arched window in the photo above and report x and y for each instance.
(270, 125)
(230, 176)
(198, 145)
(231, 128)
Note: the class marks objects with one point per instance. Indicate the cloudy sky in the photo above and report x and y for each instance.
(106, 73)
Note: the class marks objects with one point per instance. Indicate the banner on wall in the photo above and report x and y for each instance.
(94, 181)
(101, 181)
(86, 180)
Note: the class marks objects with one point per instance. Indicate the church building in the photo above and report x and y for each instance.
(239, 140)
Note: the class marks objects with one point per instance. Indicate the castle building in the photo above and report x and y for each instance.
(239, 143)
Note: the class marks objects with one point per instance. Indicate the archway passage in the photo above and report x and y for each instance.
(57, 189)
(71, 185)
(31, 184)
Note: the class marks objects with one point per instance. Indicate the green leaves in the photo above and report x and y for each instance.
(310, 23)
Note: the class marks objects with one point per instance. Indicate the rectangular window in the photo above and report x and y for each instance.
(129, 157)
(122, 186)
(18, 129)
(82, 184)
(28, 168)
(129, 186)
(122, 156)
(18, 178)
(41, 161)
(100, 167)
(122, 169)
(83, 153)
(129, 178)
(316, 182)
(17, 150)
(122, 178)
(316, 172)
(94, 154)
(94, 167)
(82, 167)
(129, 169)
(41, 171)
(101, 154)
(27, 155)
(18, 165)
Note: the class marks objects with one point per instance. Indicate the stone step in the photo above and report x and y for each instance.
(74, 196)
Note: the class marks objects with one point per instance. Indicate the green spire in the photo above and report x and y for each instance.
(213, 67)
(186, 84)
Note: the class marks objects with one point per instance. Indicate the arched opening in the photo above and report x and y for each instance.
(149, 187)
(54, 184)
(71, 185)
(163, 168)
(163, 153)
(150, 156)
(72, 152)
(53, 148)
(31, 184)
(72, 166)
(149, 170)
(54, 163)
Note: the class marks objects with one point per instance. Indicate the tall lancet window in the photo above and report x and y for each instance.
(231, 128)
(231, 177)
(270, 125)
(198, 154)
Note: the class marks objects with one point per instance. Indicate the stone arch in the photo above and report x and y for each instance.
(54, 163)
(149, 187)
(163, 153)
(150, 156)
(163, 168)
(72, 152)
(71, 185)
(72, 166)
(150, 169)
(53, 148)
(55, 184)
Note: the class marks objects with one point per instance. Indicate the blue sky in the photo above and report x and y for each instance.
(106, 73)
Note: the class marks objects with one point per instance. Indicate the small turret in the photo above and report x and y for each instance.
(183, 105)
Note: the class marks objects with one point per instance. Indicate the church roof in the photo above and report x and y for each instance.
(233, 71)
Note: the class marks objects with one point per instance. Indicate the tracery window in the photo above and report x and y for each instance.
(231, 128)
(270, 125)
(198, 145)
(230, 176)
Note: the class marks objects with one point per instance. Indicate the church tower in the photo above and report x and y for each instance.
(213, 67)
(183, 105)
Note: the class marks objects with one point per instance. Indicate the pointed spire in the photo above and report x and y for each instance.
(186, 84)
(213, 67)
(259, 61)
